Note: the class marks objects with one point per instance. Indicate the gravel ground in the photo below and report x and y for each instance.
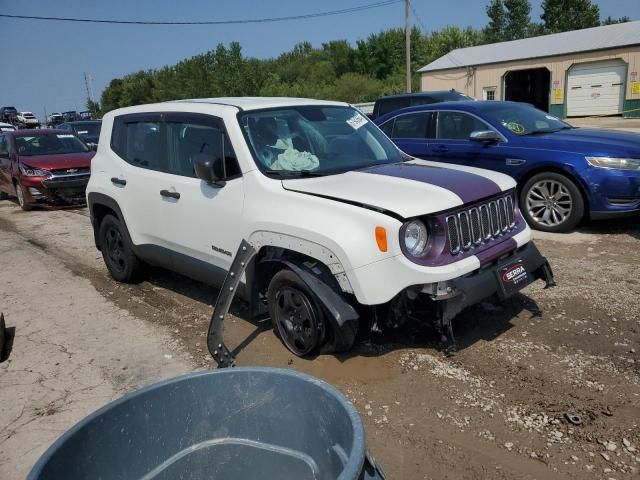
(495, 409)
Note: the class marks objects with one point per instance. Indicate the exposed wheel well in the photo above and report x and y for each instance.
(270, 260)
(559, 171)
(98, 212)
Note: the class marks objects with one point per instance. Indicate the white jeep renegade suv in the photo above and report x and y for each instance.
(343, 223)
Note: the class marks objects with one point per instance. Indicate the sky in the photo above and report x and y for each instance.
(43, 62)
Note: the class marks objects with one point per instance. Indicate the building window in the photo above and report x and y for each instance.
(489, 93)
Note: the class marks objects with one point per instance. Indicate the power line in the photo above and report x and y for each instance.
(211, 22)
(417, 17)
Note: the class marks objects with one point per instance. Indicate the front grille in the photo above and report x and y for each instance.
(493, 214)
(453, 235)
(510, 214)
(480, 224)
(465, 230)
(72, 171)
(476, 234)
(485, 222)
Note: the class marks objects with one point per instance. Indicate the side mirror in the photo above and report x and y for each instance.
(209, 169)
(93, 147)
(485, 136)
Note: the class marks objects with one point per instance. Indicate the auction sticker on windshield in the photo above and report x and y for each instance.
(357, 121)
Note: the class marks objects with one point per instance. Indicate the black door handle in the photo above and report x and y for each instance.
(118, 181)
(167, 193)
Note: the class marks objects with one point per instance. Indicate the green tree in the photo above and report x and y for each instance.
(110, 98)
(450, 38)
(518, 18)
(612, 21)
(566, 15)
(94, 108)
(495, 29)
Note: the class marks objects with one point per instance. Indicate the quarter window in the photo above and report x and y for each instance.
(458, 125)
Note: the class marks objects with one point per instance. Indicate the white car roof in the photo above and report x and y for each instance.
(256, 103)
(26, 113)
(4, 125)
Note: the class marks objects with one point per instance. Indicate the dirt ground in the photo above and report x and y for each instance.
(495, 409)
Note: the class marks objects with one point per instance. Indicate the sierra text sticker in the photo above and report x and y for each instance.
(65, 136)
(357, 121)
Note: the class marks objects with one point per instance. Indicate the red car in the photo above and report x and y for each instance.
(44, 167)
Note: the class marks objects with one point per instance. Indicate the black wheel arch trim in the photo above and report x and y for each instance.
(338, 308)
(95, 198)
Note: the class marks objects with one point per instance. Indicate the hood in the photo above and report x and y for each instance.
(407, 189)
(89, 138)
(58, 162)
(589, 142)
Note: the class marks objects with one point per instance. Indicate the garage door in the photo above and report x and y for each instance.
(596, 88)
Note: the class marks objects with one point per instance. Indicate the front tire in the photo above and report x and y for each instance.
(21, 197)
(551, 202)
(297, 318)
(117, 252)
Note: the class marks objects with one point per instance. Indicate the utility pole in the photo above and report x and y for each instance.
(86, 85)
(407, 45)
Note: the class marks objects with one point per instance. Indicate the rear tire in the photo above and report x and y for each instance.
(551, 202)
(117, 252)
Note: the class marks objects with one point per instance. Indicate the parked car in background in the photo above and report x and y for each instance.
(70, 116)
(7, 127)
(44, 167)
(86, 115)
(54, 119)
(27, 120)
(390, 103)
(8, 115)
(87, 131)
(564, 173)
(339, 217)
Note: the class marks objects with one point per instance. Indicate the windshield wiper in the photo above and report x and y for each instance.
(294, 173)
(542, 131)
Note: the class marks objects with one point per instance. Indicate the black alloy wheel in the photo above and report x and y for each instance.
(296, 317)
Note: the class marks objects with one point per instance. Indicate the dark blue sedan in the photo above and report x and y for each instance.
(563, 173)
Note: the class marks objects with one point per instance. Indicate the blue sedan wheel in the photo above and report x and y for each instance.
(551, 202)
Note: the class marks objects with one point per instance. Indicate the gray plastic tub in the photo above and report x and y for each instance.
(230, 424)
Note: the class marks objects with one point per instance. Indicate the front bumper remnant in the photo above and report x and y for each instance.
(455, 295)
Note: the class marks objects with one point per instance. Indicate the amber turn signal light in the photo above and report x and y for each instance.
(381, 238)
